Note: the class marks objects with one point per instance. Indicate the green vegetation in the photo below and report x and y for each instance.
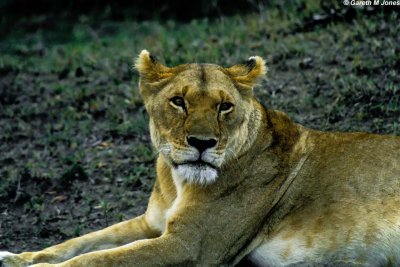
(75, 152)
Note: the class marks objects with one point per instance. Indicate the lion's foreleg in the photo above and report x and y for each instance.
(110, 237)
(166, 250)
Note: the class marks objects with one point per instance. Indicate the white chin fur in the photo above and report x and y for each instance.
(197, 174)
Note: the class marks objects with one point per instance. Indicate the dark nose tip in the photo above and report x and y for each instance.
(201, 144)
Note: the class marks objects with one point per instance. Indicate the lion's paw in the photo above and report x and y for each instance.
(4, 255)
(8, 259)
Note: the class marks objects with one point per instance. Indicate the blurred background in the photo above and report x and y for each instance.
(75, 153)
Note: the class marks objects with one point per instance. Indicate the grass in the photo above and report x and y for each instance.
(75, 148)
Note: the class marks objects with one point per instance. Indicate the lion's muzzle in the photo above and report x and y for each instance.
(201, 165)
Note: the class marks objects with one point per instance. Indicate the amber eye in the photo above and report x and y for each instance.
(178, 101)
(225, 106)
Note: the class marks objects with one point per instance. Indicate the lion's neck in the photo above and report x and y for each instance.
(274, 148)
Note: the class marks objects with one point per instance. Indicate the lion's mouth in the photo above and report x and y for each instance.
(197, 164)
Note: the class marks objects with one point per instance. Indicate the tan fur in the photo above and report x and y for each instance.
(273, 190)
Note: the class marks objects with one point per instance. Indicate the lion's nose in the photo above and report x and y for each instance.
(201, 144)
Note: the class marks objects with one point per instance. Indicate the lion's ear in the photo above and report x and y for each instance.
(151, 71)
(246, 75)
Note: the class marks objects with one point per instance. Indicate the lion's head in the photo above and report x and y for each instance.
(201, 115)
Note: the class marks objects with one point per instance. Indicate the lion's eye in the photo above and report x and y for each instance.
(178, 101)
(225, 106)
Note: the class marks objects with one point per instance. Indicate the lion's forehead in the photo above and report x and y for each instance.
(204, 77)
(202, 85)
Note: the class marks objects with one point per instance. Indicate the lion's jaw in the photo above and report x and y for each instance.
(187, 163)
(196, 173)
(200, 168)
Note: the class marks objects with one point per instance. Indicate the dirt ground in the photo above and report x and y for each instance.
(75, 153)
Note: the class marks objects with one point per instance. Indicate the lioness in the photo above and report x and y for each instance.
(236, 180)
